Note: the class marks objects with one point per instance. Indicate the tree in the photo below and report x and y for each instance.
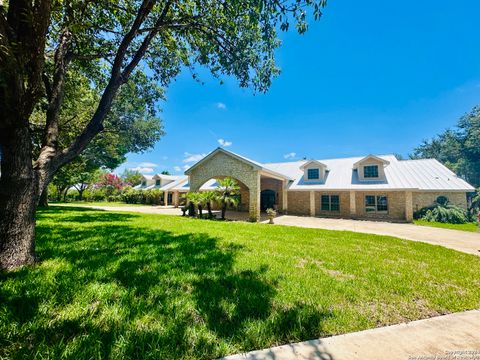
(165, 172)
(132, 45)
(111, 183)
(227, 191)
(196, 199)
(208, 198)
(131, 177)
(458, 149)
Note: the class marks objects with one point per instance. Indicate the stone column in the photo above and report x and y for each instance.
(353, 203)
(165, 196)
(254, 199)
(312, 203)
(176, 198)
(409, 206)
(284, 196)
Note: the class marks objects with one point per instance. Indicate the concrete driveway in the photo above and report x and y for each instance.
(468, 242)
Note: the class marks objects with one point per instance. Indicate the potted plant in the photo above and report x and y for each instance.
(271, 213)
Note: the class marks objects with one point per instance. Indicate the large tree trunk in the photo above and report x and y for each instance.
(18, 200)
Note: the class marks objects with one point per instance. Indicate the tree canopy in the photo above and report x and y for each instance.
(125, 52)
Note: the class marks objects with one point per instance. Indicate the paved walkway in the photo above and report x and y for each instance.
(468, 242)
(430, 339)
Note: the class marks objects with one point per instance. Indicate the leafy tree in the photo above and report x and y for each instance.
(133, 45)
(111, 183)
(131, 177)
(165, 172)
(227, 192)
(458, 148)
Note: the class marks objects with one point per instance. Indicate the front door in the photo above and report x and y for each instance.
(267, 199)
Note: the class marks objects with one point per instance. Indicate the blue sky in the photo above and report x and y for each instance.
(369, 77)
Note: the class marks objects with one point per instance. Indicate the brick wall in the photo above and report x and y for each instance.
(299, 202)
(396, 205)
(344, 204)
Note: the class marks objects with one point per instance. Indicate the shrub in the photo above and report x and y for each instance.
(443, 213)
(153, 196)
(132, 196)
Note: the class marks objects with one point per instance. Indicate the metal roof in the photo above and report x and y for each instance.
(425, 174)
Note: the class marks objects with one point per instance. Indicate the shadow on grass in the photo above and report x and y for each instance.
(109, 288)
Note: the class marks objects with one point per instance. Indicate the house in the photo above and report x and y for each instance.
(369, 187)
(173, 187)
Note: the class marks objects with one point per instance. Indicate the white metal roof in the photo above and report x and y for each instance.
(427, 175)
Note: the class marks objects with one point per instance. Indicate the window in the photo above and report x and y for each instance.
(144, 183)
(370, 171)
(442, 200)
(313, 174)
(376, 204)
(330, 203)
(157, 182)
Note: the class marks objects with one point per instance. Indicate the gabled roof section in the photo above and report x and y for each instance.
(311, 163)
(147, 177)
(371, 157)
(254, 164)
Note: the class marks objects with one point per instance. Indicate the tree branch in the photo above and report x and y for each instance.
(95, 124)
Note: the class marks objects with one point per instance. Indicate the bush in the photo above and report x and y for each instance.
(153, 196)
(132, 196)
(450, 214)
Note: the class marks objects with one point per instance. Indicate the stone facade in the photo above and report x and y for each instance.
(222, 165)
(424, 199)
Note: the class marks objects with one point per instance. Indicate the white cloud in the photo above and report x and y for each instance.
(290, 155)
(143, 170)
(224, 142)
(177, 168)
(191, 158)
(221, 106)
(185, 167)
(147, 164)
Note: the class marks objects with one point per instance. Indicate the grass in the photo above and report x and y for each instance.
(96, 203)
(472, 227)
(125, 285)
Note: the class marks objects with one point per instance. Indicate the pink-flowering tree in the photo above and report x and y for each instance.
(110, 183)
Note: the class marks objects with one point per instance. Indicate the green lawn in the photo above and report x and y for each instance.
(473, 227)
(96, 203)
(125, 285)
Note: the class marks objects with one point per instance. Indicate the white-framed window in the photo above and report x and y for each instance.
(376, 204)
(370, 171)
(158, 182)
(330, 203)
(144, 183)
(313, 174)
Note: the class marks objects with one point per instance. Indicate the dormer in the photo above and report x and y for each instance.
(371, 168)
(147, 180)
(314, 171)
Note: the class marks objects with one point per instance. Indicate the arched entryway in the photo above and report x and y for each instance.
(267, 199)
